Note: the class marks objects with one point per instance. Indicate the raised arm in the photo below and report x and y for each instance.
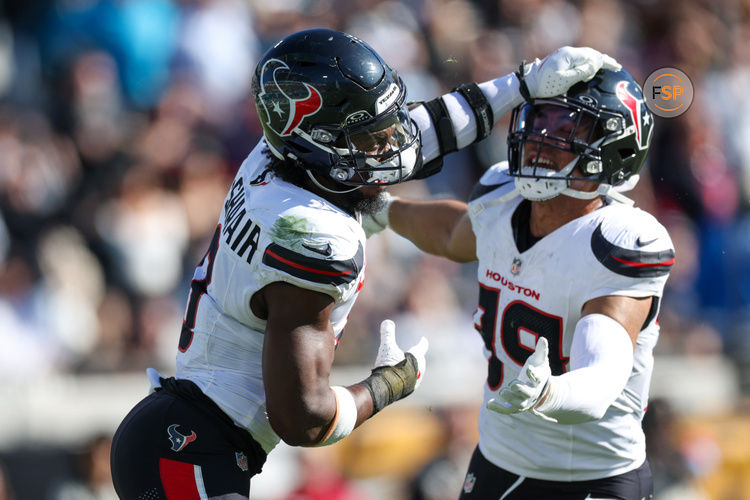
(438, 227)
(468, 113)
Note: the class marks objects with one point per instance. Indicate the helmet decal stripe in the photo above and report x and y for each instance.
(302, 108)
(633, 105)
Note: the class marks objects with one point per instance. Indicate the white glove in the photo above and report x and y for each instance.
(524, 392)
(566, 66)
(390, 354)
(376, 222)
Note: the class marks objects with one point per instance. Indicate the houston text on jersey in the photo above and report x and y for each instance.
(526, 292)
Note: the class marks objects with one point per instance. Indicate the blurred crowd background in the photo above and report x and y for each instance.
(122, 123)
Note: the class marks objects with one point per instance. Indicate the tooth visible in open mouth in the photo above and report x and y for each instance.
(543, 162)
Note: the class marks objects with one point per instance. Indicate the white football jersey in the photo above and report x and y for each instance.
(269, 231)
(615, 250)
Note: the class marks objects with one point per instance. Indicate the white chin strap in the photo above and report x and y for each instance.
(321, 186)
(601, 190)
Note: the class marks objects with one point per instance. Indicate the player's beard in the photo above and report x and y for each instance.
(363, 201)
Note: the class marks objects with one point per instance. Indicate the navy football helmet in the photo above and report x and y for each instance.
(603, 122)
(331, 105)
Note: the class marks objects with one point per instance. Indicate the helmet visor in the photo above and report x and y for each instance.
(556, 126)
(381, 151)
(548, 137)
(391, 133)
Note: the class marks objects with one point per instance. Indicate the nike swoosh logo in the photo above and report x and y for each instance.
(641, 243)
(326, 250)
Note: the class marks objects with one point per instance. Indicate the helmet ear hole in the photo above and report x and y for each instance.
(626, 153)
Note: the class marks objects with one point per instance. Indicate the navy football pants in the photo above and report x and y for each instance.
(173, 448)
(486, 481)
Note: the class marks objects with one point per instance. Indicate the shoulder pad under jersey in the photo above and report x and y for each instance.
(311, 242)
(631, 242)
(316, 244)
(495, 180)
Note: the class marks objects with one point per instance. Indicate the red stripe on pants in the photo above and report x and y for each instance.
(178, 480)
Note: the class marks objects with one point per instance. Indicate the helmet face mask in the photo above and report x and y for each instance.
(599, 132)
(547, 128)
(332, 106)
(380, 150)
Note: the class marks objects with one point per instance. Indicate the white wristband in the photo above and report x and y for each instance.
(345, 418)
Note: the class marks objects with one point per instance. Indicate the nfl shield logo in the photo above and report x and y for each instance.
(241, 460)
(515, 268)
(469, 482)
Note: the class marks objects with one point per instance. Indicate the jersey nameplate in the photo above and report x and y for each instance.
(242, 235)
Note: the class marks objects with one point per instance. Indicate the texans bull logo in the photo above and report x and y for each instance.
(286, 107)
(639, 114)
(179, 440)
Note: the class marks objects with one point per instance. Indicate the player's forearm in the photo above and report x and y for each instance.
(310, 419)
(396, 375)
(300, 418)
(431, 226)
(356, 403)
(582, 395)
(502, 94)
(601, 363)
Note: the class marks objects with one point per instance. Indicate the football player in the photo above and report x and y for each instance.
(269, 301)
(570, 276)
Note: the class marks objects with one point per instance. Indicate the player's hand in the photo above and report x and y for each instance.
(525, 391)
(377, 221)
(390, 354)
(566, 66)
